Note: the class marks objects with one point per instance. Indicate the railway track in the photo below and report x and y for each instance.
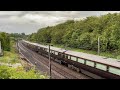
(58, 71)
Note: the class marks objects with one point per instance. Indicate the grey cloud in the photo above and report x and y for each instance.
(31, 21)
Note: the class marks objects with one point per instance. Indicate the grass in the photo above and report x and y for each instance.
(9, 57)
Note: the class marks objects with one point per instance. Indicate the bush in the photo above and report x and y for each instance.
(19, 73)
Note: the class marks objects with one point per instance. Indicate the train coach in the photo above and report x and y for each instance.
(92, 66)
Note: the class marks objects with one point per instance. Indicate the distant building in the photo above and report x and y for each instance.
(1, 51)
(0, 47)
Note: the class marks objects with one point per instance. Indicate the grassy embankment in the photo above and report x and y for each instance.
(11, 57)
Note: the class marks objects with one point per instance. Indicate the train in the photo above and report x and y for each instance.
(100, 68)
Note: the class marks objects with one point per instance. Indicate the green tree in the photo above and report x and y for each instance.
(84, 33)
(5, 41)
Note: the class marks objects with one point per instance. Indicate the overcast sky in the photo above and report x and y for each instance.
(30, 21)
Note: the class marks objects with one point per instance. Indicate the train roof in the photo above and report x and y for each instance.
(91, 57)
(46, 46)
(96, 58)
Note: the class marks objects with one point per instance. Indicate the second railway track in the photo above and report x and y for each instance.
(58, 71)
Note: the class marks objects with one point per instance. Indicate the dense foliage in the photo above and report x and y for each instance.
(5, 41)
(19, 73)
(83, 34)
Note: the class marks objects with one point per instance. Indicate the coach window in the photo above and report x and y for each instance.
(44, 49)
(101, 66)
(66, 56)
(114, 70)
(56, 53)
(60, 54)
(63, 56)
(90, 63)
(73, 58)
(81, 60)
(38, 47)
(69, 57)
(52, 52)
(47, 50)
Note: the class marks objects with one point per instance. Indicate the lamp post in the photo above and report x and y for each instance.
(1, 51)
(49, 62)
(0, 48)
(98, 45)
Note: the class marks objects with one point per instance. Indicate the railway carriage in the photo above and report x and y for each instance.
(89, 67)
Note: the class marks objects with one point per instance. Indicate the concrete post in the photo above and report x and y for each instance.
(49, 62)
(0, 48)
(98, 46)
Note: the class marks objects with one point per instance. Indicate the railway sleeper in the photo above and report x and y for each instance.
(74, 68)
(58, 61)
(64, 63)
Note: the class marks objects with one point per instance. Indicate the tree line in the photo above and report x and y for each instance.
(84, 33)
(16, 36)
(5, 41)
